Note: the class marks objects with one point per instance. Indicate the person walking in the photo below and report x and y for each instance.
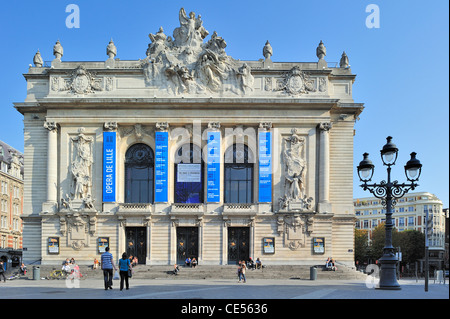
(107, 267)
(124, 266)
(2, 271)
(243, 268)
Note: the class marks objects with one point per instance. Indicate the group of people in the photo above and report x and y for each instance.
(70, 268)
(330, 264)
(67, 265)
(254, 264)
(190, 262)
(125, 269)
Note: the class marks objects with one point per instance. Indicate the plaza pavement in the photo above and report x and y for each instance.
(213, 298)
(218, 289)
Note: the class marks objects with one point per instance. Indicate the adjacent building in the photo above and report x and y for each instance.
(409, 214)
(187, 152)
(11, 197)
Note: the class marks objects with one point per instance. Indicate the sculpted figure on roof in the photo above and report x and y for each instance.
(188, 65)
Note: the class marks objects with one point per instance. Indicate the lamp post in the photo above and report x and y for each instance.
(389, 191)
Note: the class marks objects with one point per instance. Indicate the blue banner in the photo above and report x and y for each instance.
(213, 169)
(265, 167)
(161, 166)
(109, 166)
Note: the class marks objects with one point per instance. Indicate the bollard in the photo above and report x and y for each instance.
(313, 273)
(36, 273)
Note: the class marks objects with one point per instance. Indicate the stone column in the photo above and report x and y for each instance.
(324, 168)
(148, 225)
(252, 238)
(200, 239)
(52, 167)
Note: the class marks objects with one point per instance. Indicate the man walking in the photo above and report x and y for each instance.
(107, 266)
(2, 271)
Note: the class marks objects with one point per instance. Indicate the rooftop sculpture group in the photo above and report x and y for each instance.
(187, 64)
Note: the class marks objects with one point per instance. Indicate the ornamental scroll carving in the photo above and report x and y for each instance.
(81, 81)
(295, 229)
(79, 228)
(296, 82)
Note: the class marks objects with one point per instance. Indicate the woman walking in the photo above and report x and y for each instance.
(124, 265)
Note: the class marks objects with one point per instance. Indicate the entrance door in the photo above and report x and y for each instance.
(187, 243)
(136, 243)
(238, 244)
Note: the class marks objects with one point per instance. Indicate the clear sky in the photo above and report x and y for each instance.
(402, 66)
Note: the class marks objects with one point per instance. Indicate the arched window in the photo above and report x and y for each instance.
(188, 174)
(139, 174)
(238, 174)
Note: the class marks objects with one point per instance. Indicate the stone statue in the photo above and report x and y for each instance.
(37, 60)
(209, 72)
(58, 50)
(321, 51)
(158, 43)
(216, 44)
(267, 50)
(188, 33)
(199, 26)
(111, 50)
(246, 78)
(295, 167)
(81, 165)
(344, 61)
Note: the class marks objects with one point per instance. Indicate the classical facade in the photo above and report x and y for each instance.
(409, 214)
(11, 204)
(188, 152)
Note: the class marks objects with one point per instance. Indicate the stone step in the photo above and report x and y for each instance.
(216, 271)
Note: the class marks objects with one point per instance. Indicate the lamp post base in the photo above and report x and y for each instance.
(388, 273)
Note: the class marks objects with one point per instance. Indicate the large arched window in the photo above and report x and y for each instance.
(188, 174)
(238, 174)
(139, 174)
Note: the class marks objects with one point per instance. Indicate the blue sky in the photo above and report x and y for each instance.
(402, 67)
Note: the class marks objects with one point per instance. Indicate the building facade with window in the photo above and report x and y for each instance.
(409, 214)
(188, 152)
(11, 197)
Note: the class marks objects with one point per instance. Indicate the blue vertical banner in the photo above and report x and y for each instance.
(265, 167)
(213, 168)
(161, 166)
(109, 166)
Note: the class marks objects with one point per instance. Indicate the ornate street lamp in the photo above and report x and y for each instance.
(389, 192)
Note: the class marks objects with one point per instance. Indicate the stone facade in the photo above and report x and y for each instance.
(188, 88)
(11, 204)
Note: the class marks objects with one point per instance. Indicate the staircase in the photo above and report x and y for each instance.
(217, 272)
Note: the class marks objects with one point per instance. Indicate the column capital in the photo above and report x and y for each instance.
(214, 126)
(110, 126)
(325, 126)
(51, 126)
(162, 126)
(265, 125)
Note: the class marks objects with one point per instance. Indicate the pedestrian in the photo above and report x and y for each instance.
(124, 266)
(107, 267)
(243, 267)
(2, 271)
(239, 271)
